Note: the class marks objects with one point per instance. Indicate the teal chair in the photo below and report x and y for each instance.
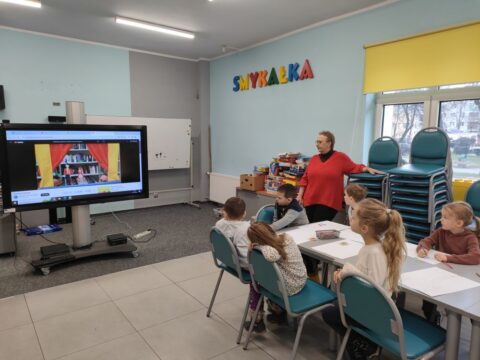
(225, 257)
(425, 182)
(265, 214)
(473, 197)
(268, 281)
(376, 317)
(384, 155)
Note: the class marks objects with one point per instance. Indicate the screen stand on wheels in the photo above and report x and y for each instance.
(83, 246)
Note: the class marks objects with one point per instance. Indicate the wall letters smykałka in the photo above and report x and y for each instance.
(263, 78)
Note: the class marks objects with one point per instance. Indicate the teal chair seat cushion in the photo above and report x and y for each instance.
(418, 190)
(417, 170)
(312, 295)
(368, 184)
(245, 274)
(420, 336)
(367, 176)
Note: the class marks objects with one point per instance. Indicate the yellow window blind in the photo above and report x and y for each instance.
(443, 57)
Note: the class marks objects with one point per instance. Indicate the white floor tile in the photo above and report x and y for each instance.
(79, 322)
(63, 299)
(130, 347)
(187, 268)
(133, 281)
(278, 341)
(65, 334)
(156, 306)
(231, 311)
(193, 337)
(13, 312)
(20, 343)
(202, 288)
(253, 353)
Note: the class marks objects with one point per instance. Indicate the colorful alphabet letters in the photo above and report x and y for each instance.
(263, 78)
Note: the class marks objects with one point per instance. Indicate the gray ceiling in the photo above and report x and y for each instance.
(236, 23)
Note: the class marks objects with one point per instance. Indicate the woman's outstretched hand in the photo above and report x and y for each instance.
(372, 170)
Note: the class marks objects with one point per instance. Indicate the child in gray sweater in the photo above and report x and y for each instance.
(235, 228)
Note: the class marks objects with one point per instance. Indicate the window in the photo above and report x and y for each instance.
(454, 108)
(402, 122)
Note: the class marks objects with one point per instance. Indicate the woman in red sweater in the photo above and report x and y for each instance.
(321, 187)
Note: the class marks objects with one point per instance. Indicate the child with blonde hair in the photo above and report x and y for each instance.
(455, 242)
(282, 250)
(381, 259)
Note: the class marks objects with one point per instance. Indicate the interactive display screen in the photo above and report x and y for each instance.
(57, 165)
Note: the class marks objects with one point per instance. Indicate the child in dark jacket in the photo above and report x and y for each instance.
(288, 211)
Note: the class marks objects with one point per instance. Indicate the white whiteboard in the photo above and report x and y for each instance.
(168, 140)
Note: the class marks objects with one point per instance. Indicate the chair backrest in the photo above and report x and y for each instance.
(224, 251)
(473, 197)
(384, 154)
(370, 306)
(265, 214)
(268, 277)
(430, 146)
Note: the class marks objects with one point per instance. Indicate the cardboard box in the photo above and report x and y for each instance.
(252, 182)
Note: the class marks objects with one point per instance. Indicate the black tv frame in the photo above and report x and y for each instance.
(103, 198)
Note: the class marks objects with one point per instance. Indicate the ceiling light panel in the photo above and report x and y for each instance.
(30, 3)
(155, 27)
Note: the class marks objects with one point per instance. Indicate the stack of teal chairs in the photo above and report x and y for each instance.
(384, 155)
(418, 190)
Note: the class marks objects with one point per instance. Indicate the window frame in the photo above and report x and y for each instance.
(431, 99)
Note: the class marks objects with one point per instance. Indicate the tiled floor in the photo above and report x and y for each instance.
(148, 313)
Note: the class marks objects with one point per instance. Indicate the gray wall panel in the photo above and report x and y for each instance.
(171, 88)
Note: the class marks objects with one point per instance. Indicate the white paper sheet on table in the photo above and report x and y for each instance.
(339, 249)
(302, 234)
(349, 235)
(429, 259)
(435, 282)
(330, 225)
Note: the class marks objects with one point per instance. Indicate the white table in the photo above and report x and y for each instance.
(464, 303)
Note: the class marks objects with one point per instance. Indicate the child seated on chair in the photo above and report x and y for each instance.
(380, 258)
(455, 241)
(282, 250)
(288, 211)
(354, 193)
(235, 228)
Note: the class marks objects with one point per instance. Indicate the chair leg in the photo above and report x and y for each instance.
(252, 323)
(325, 267)
(297, 337)
(215, 293)
(240, 332)
(344, 344)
